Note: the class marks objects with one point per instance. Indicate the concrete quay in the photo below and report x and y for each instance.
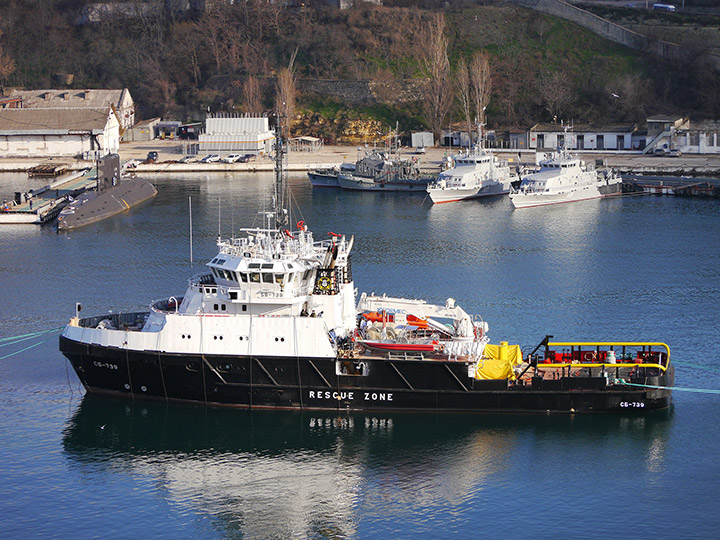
(707, 165)
(624, 162)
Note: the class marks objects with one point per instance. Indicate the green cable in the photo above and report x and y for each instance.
(23, 350)
(30, 335)
(19, 339)
(698, 390)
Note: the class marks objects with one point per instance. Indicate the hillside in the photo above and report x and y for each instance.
(180, 64)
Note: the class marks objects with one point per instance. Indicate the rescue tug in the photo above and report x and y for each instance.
(273, 323)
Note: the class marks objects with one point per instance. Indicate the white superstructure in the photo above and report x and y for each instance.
(475, 173)
(564, 178)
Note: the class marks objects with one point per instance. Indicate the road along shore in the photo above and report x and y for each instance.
(169, 152)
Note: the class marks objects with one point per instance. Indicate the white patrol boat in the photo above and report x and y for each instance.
(473, 174)
(564, 178)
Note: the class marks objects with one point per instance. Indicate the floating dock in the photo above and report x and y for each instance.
(49, 169)
(682, 187)
(44, 204)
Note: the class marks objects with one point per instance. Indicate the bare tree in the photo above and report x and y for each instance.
(481, 83)
(286, 93)
(251, 95)
(7, 65)
(630, 94)
(436, 69)
(464, 92)
(555, 92)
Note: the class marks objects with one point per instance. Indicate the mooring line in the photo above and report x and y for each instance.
(24, 337)
(678, 388)
(23, 350)
(39, 334)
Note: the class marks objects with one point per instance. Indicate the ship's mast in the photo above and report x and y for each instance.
(280, 200)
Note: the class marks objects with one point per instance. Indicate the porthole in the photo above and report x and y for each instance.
(192, 366)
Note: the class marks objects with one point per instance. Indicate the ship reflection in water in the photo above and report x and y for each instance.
(269, 474)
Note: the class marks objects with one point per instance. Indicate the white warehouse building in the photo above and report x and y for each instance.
(58, 132)
(236, 133)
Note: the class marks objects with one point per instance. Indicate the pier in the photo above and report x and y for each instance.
(682, 187)
(44, 204)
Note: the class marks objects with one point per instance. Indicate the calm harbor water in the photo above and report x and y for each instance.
(636, 268)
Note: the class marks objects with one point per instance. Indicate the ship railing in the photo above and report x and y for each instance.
(167, 305)
(599, 354)
(133, 321)
(203, 278)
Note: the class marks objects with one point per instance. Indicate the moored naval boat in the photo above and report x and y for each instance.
(563, 178)
(112, 196)
(329, 177)
(379, 171)
(273, 323)
(473, 174)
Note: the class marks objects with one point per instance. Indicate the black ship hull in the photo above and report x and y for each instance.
(382, 384)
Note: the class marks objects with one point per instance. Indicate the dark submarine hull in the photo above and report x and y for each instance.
(93, 206)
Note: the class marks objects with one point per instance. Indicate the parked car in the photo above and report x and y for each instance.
(231, 158)
(152, 156)
(245, 158)
(187, 159)
(674, 152)
(420, 150)
(210, 158)
(132, 164)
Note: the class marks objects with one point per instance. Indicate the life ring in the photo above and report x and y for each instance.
(289, 234)
(324, 283)
(301, 225)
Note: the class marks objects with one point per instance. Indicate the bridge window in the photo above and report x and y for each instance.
(267, 277)
(254, 277)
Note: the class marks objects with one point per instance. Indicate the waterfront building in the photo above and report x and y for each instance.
(118, 99)
(44, 133)
(236, 133)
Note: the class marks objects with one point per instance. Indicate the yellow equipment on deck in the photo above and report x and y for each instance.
(498, 361)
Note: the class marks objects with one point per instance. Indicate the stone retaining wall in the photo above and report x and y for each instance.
(610, 30)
